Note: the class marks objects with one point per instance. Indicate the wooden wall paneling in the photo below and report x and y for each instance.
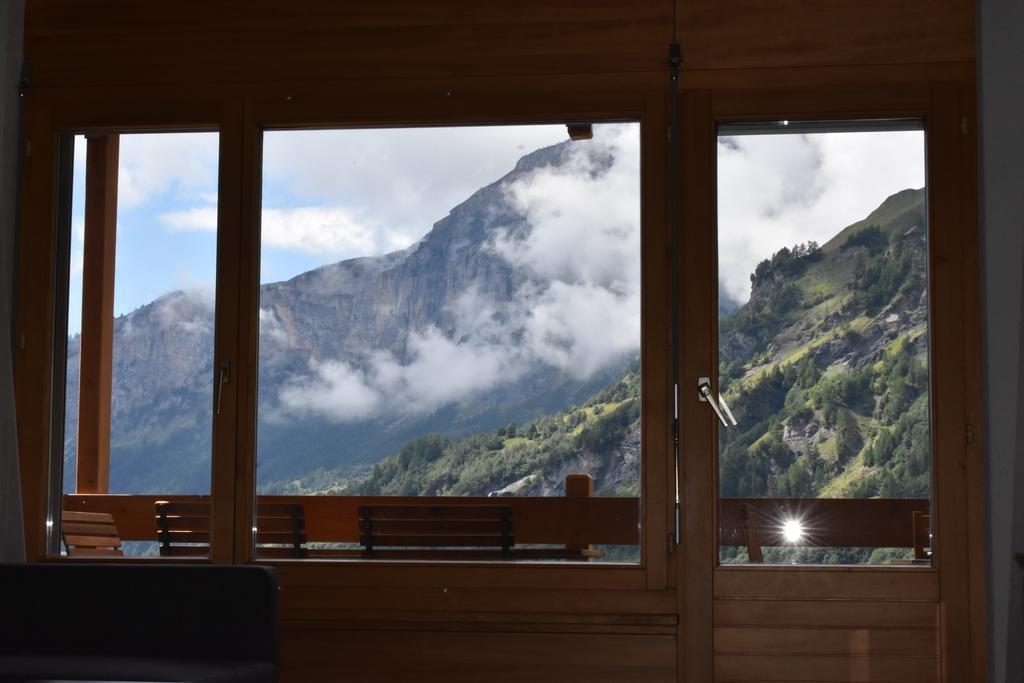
(367, 656)
(827, 639)
(698, 273)
(733, 34)
(826, 583)
(816, 668)
(822, 103)
(879, 614)
(97, 341)
(117, 42)
(754, 640)
(828, 76)
(948, 378)
(309, 109)
(33, 327)
(307, 599)
(540, 577)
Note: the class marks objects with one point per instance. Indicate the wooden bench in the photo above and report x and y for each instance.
(454, 531)
(183, 529)
(90, 534)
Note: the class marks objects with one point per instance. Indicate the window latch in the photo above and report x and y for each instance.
(720, 407)
(223, 377)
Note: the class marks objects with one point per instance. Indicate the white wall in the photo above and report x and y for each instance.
(1001, 104)
(12, 546)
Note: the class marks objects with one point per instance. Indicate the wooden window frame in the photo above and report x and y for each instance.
(240, 123)
(295, 111)
(950, 590)
(51, 118)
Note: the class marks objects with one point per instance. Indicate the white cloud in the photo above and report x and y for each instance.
(338, 391)
(780, 190)
(271, 329)
(154, 164)
(202, 219)
(332, 233)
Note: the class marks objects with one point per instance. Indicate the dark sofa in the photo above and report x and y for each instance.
(135, 622)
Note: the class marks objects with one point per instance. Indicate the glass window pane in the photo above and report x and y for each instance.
(450, 322)
(160, 346)
(823, 346)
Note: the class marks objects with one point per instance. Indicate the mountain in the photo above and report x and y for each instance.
(333, 338)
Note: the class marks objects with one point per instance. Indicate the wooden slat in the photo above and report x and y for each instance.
(815, 613)
(461, 553)
(188, 536)
(87, 517)
(827, 583)
(435, 540)
(452, 510)
(264, 551)
(277, 525)
(186, 551)
(188, 523)
(279, 537)
(868, 523)
(309, 654)
(94, 552)
(448, 526)
(278, 509)
(835, 669)
(185, 509)
(102, 530)
(92, 541)
(826, 641)
(745, 33)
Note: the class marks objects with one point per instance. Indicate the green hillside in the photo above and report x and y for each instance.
(826, 369)
(600, 437)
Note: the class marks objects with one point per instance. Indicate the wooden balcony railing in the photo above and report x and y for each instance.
(586, 520)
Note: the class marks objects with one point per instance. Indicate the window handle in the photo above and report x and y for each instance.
(720, 407)
(223, 377)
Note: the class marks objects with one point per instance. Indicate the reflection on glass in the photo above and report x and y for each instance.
(451, 317)
(823, 348)
(162, 337)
